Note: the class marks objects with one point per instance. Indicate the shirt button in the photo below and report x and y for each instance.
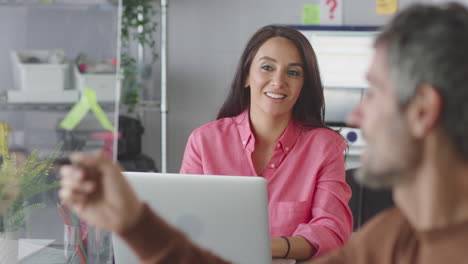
(272, 166)
(287, 149)
(279, 145)
(243, 142)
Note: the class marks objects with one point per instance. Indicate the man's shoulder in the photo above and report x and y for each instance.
(386, 221)
(382, 234)
(374, 242)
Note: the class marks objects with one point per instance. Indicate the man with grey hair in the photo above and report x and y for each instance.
(415, 121)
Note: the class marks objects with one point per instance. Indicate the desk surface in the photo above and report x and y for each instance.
(48, 255)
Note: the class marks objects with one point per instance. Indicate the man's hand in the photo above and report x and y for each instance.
(98, 193)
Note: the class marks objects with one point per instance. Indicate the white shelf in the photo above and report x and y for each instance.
(109, 4)
(47, 107)
(64, 107)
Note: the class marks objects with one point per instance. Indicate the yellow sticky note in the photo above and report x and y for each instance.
(97, 110)
(76, 114)
(88, 101)
(386, 7)
(4, 131)
(311, 14)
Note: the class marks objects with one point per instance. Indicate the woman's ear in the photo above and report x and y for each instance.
(247, 82)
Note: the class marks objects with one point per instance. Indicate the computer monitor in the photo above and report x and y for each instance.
(343, 55)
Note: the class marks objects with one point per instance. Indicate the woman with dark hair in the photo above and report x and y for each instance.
(272, 125)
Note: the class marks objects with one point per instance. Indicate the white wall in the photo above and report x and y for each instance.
(72, 29)
(205, 39)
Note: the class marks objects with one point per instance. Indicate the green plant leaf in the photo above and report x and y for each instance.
(30, 179)
(136, 13)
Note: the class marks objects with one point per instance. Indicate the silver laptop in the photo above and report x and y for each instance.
(227, 215)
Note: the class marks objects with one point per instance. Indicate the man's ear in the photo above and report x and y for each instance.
(424, 110)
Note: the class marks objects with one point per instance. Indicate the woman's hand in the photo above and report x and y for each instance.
(98, 193)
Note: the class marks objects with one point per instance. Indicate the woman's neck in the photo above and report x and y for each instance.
(268, 129)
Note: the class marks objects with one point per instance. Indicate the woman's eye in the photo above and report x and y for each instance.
(267, 67)
(294, 73)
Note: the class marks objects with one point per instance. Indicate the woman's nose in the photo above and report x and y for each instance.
(279, 79)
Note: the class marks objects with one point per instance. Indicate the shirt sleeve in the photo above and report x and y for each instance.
(192, 161)
(156, 242)
(332, 221)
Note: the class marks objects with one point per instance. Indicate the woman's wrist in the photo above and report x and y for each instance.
(299, 248)
(288, 249)
(279, 247)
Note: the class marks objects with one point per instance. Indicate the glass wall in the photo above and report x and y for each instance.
(58, 77)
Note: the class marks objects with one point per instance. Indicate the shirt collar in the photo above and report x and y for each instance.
(243, 125)
(286, 141)
(290, 135)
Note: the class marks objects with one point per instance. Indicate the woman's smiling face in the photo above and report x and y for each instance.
(276, 77)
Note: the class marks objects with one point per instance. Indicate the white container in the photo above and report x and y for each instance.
(104, 84)
(39, 77)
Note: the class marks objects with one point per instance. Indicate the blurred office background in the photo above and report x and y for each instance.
(205, 41)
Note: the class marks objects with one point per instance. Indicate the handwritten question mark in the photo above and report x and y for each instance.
(333, 7)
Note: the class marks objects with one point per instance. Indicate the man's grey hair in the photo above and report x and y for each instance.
(428, 44)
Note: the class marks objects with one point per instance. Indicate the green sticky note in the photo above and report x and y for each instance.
(97, 110)
(88, 101)
(76, 114)
(311, 14)
(47, 2)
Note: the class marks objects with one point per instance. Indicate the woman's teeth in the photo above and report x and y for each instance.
(275, 96)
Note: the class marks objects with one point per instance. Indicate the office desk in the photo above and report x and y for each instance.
(52, 254)
(283, 261)
(55, 254)
(287, 261)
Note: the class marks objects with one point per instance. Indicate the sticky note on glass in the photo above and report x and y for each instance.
(311, 14)
(386, 7)
(88, 101)
(76, 114)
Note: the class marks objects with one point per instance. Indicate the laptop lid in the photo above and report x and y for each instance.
(227, 215)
